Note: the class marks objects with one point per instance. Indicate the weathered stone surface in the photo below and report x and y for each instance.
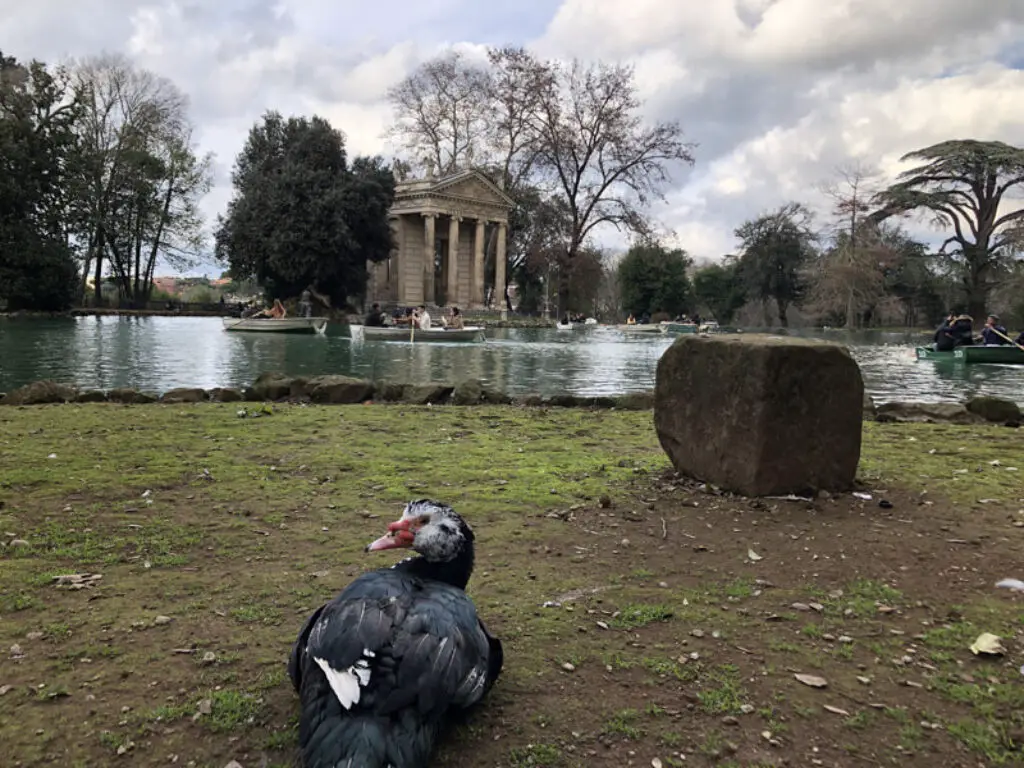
(338, 390)
(301, 388)
(41, 393)
(91, 396)
(563, 401)
(183, 395)
(494, 397)
(598, 401)
(870, 411)
(994, 409)
(635, 401)
(760, 415)
(468, 392)
(423, 394)
(932, 413)
(130, 396)
(225, 395)
(389, 392)
(272, 386)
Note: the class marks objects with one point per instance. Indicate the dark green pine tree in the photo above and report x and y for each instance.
(301, 215)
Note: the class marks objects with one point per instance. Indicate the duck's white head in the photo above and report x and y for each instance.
(429, 527)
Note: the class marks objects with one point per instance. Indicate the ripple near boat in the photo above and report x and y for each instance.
(307, 325)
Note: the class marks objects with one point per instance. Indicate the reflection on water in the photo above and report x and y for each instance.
(158, 353)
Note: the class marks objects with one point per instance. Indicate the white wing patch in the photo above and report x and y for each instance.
(346, 683)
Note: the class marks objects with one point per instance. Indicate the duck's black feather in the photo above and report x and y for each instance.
(428, 653)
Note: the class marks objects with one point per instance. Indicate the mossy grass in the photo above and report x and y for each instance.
(633, 621)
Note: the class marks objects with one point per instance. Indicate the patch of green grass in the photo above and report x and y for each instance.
(636, 615)
(891, 455)
(256, 612)
(860, 720)
(536, 756)
(987, 740)
(230, 710)
(624, 724)
(724, 695)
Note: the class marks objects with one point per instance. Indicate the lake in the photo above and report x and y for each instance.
(158, 353)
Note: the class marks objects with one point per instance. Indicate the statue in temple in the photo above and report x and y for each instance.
(428, 163)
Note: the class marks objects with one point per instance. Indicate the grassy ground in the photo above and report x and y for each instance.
(644, 618)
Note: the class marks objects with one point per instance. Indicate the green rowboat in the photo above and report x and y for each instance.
(670, 327)
(1005, 355)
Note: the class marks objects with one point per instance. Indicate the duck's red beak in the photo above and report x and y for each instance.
(400, 535)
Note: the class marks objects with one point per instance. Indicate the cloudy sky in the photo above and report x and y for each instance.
(776, 93)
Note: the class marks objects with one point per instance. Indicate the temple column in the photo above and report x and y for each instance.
(452, 293)
(499, 270)
(396, 266)
(477, 275)
(429, 242)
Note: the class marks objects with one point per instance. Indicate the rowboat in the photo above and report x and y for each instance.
(1005, 355)
(398, 333)
(670, 327)
(309, 325)
(565, 326)
(638, 328)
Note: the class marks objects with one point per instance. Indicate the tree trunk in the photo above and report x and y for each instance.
(98, 276)
(851, 317)
(782, 306)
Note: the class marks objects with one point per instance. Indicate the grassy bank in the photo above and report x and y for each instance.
(636, 623)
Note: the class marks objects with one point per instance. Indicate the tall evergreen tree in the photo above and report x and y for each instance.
(302, 216)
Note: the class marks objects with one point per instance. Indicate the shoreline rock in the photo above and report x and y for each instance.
(277, 387)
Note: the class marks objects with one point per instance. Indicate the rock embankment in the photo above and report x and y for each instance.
(332, 390)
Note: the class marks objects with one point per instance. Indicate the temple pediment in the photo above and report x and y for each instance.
(466, 190)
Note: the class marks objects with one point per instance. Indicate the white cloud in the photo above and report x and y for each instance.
(777, 93)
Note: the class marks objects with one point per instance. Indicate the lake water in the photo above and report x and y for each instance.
(159, 353)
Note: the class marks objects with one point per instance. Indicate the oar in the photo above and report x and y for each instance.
(1004, 336)
(412, 329)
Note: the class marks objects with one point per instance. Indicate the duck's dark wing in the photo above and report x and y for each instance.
(379, 666)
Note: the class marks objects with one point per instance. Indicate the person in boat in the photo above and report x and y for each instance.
(963, 330)
(1019, 341)
(374, 318)
(455, 320)
(994, 334)
(278, 311)
(306, 304)
(943, 338)
(630, 320)
(422, 318)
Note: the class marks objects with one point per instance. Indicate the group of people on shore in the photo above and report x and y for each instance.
(958, 331)
(413, 317)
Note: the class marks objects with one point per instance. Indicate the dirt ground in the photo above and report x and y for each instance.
(646, 620)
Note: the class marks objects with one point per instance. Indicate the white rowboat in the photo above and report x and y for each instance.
(308, 325)
(399, 333)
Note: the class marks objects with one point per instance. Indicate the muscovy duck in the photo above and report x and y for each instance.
(380, 667)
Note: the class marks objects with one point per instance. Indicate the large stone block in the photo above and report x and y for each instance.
(760, 415)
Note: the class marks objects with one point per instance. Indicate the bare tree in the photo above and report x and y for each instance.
(599, 155)
(847, 274)
(141, 180)
(441, 112)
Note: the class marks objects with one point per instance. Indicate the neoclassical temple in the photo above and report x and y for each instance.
(441, 227)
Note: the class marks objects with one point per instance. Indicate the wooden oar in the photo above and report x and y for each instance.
(1004, 336)
(412, 329)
